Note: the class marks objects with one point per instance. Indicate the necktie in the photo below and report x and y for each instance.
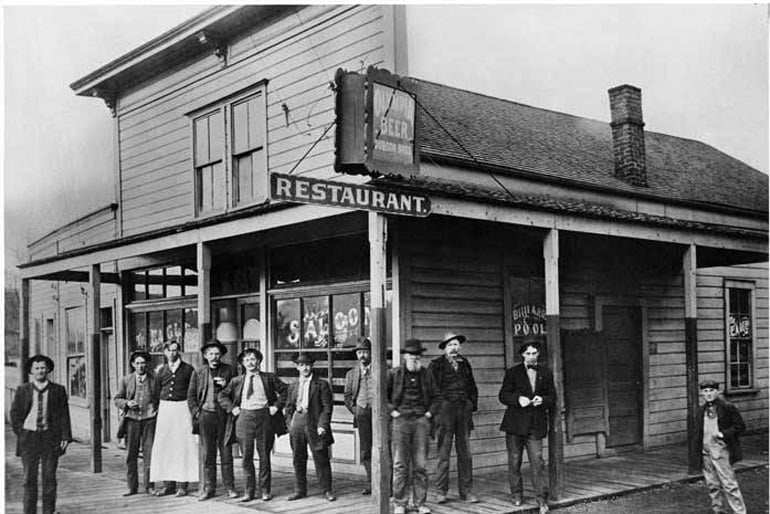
(250, 390)
(455, 365)
(40, 420)
(301, 395)
(532, 366)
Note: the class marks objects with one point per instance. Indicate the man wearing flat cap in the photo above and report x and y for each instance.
(309, 409)
(255, 402)
(205, 385)
(412, 403)
(358, 400)
(529, 394)
(138, 398)
(458, 394)
(40, 418)
(717, 435)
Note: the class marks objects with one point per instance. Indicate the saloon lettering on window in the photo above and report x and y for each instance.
(529, 320)
(740, 326)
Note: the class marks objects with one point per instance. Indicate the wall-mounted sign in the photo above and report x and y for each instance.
(376, 125)
(740, 326)
(529, 320)
(352, 196)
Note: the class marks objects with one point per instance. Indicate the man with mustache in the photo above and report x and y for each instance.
(358, 400)
(453, 377)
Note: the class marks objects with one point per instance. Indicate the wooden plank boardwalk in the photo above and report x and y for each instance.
(81, 491)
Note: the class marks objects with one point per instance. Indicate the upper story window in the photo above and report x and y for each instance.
(740, 329)
(229, 154)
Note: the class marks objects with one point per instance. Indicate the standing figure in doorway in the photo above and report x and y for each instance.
(175, 459)
(529, 394)
(40, 418)
(358, 400)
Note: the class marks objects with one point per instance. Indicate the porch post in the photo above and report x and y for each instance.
(24, 330)
(94, 365)
(689, 268)
(553, 327)
(378, 230)
(203, 259)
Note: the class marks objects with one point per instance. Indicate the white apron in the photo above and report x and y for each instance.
(175, 450)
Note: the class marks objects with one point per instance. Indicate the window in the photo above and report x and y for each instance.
(75, 327)
(230, 160)
(739, 326)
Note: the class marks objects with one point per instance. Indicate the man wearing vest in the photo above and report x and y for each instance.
(456, 387)
(138, 397)
(205, 385)
(254, 400)
(309, 409)
(358, 400)
(412, 404)
(40, 418)
(175, 459)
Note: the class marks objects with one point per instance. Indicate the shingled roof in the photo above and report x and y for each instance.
(551, 145)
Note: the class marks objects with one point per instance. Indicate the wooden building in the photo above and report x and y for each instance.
(640, 257)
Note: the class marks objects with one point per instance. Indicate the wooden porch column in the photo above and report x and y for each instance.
(203, 259)
(94, 365)
(378, 235)
(24, 329)
(553, 327)
(689, 268)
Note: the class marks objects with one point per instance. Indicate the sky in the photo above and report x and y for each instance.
(703, 71)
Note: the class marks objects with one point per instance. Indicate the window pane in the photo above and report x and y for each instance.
(75, 330)
(138, 337)
(251, 327)
(216, 137)
(287, 326)
(190, 336)
(155, 283)
(258, 175)
(243, 178)
(174, 325)
(206, 189)
(240, 127)
(315, 322)
(106, 317)
(190, 281)
(156, 331)
(347, 319)
(218, 186)
(76, 376)
(201, 135)
(256, 121)
(173, 281)
(140, 287)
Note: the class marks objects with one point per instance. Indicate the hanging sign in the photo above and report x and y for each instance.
(337, 194)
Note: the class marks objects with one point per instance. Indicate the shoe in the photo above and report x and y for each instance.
(181, 492)
(266, 497)
(471, 498)
(399, 509)
(366, 492)
(248, 497)
(330, 496)
(162, 492)
(441, 498)
(295, 496)
(129, 493)
(205, 496)
(150, 491)
(544, 508)
(232, 493)
(516, 501)
(423, 509)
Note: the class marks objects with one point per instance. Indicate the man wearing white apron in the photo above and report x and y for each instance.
(175, 452)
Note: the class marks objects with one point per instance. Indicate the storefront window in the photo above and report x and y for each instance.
(149, 329)
(75, 326)
(341, 258)
(528, 311)
(740, 335)
(315, 322)
(160, 283)
(236, 324)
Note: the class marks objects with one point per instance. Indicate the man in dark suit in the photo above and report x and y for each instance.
(358, 400)
(40, 418)
(138, 398)
(309, 407)
(203, 402)
(529, 394)
(256, 413)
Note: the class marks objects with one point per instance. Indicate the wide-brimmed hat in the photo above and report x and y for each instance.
(303, 358)
(709, 384)
(533, 342)
(449, 336)
(139, 353)
(249, 350)
(38, 358)
(413, 346)
(364, 343)
(216, 344)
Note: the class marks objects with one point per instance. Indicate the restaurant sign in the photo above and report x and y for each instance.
(353, 196)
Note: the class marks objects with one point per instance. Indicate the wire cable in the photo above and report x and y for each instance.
(311, 147)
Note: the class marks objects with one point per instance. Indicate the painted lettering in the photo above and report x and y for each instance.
(282, 187)
(301, 190)
(319, 192)
(378, 199)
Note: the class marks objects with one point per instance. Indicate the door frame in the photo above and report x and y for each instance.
(600, 301)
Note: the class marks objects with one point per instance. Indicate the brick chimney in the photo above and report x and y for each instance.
(628, 134)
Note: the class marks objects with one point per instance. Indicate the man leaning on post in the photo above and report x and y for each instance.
(358, 400)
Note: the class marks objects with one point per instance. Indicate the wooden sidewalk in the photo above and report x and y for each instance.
(81, 491)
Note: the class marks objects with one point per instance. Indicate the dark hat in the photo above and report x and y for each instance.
(166, 344)
(303, 358)
(449, 336)
(215, 343)
(709, 384)
(364, 343)
(530, 341)
(39, 358)
(413, 346)
(139, 353)
(243, 353)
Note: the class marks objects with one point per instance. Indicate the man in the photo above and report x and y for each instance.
(529, 394)
(256, 409)
(309, 407)
(138, 397)
(40, 418)
(202, 400)
(412, 403)
(456, 387)
(358, 400)
(175, 458)
(719, 426)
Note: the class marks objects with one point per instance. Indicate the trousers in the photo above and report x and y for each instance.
(364, 423)
(139, 433)
(720, 478)
(515, 445)
(212, 438)
(299, 440)
(454, 421)
(39, 449)
(410, 457)
(253, 429)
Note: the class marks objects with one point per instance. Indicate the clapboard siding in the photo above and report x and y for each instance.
(96, 227)
(298, 58)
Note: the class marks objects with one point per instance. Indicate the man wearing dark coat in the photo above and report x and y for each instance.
(456, 387)
(40, 418)
(255, 401)
(203, 402)
(529, 394)
(309, 411)
(717, 435)
(358, 400)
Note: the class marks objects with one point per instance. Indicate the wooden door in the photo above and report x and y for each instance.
(622, 330)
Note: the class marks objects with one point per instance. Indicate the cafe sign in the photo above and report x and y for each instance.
(352, 196)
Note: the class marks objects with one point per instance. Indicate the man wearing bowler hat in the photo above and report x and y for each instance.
(211, 418)
(309, 409)
(255, 402)
(40, 418)
(529, 394)
(458, 394)
(138, 397)
(358, 400)
(412, 404)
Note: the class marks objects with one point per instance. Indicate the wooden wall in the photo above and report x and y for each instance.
(96, 227)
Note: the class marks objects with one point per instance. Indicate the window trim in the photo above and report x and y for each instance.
(750, 286)
(75, 355)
